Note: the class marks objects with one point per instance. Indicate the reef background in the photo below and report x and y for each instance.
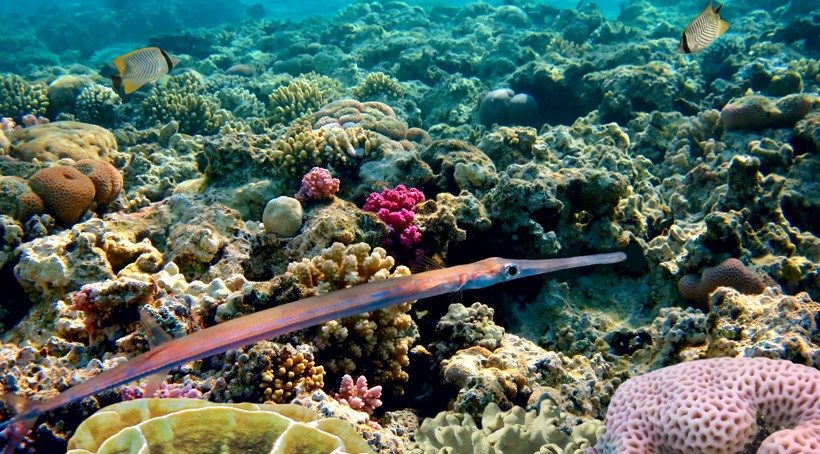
(531, 129)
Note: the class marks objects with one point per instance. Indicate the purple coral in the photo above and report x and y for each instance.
(396, 208)
(317, 184)
(165, 391)
(358, 396)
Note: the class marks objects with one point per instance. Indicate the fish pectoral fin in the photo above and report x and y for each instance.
(722, 27)
(156, 337)
(153, 383)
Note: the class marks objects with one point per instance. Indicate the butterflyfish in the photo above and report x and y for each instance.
(700, 33)
(141, 66)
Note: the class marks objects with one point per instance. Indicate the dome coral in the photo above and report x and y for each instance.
(66, 192)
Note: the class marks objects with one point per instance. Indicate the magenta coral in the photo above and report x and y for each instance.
(713, 405)
(358, 396)
(317, 184)
(395, 207)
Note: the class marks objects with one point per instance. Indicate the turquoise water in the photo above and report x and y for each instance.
(246, 155)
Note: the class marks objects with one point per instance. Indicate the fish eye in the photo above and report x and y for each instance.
(510, 270)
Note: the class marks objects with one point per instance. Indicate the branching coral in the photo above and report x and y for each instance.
(183, 98)
(97, 104)
(301, 96)
(376, 84)
(18, 97)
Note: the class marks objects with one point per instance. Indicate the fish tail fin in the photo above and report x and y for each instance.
(722, 27)
(116, 82)
(18, 427)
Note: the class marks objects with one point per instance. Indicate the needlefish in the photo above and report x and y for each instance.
(294, 316)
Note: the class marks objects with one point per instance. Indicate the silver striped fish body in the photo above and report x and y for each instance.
(143, 66)
(700, 33)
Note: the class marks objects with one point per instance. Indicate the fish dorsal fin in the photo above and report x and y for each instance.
(425, 263)
(722, 27)
(717, 10)
(156, 336)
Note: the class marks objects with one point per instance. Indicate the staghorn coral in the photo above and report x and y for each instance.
(730, 273)
(193, 426)
(713, 405)
(542, 431)
(18, 97)
(301, 96)
(183, 98)
(66, 192)
(760, 112)
(377, 84)
(97, 104)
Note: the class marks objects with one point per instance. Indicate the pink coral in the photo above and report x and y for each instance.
(714, 406)
(31, 120)
(317, 184)
(165, 391)
(395, 207)
(358, 396)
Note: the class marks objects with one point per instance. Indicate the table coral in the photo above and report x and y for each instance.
(713, 405)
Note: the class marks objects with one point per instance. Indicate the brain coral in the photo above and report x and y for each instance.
(715, 406)
(66, 192)
(730, 273)
(106, 178)
(18, 97)
(62, 139)
(195, 426)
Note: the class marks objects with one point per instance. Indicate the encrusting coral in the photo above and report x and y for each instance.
(195, 426)
(716, 406)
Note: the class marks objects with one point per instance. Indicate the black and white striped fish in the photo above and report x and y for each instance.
(140, 67)
(707, 27)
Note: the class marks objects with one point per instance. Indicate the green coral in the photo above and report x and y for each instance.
(301, 96)
(18, 97)
(545, 431)
(377, 84)
(241, 102)
(183, 98)
(302, 148)
(97, 104)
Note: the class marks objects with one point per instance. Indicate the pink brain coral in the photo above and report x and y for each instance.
(713, 406)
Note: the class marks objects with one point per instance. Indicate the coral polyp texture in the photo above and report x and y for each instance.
(717, 406)
(730, 273)
(278, 151)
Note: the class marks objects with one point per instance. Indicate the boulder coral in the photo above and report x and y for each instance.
(716, 406)
(62, 139)
(66, 192)
(730, 273)
(761, 112)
